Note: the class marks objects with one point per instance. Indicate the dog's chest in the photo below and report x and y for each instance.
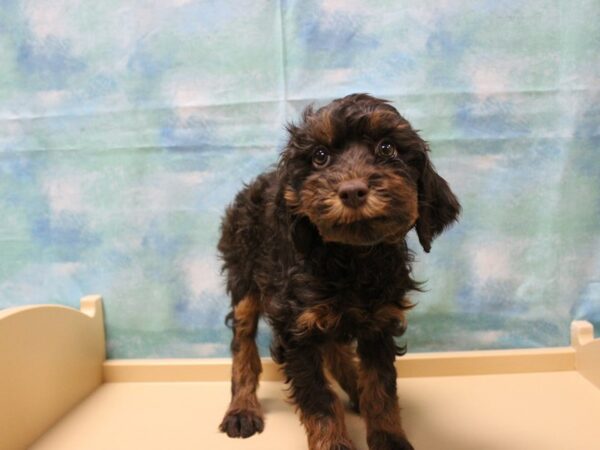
(347, 321)
(358, 279)
(355, 296)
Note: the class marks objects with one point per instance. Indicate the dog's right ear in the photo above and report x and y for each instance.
(438, 206)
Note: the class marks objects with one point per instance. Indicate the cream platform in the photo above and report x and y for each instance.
(58, 392)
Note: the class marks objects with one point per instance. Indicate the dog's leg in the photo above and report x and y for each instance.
(321, 411)
(339, 359)
(244, 416)
(378, 395)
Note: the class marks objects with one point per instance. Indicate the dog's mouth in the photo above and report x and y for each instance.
(384, 213)
(369, 231)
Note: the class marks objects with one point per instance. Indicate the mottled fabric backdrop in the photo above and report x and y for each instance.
(127, 126)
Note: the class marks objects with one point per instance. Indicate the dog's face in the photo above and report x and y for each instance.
(361, 175)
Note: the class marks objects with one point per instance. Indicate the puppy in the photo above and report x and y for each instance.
(318, 248)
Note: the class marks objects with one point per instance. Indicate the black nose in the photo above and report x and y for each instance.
(353, 193)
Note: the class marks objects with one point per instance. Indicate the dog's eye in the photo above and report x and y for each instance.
(321, 157)
(386, 149)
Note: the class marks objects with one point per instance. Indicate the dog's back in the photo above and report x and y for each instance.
(244, 233)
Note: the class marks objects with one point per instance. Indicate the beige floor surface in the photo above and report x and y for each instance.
(534, 411)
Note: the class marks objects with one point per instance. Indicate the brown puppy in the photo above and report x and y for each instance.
(317, 246)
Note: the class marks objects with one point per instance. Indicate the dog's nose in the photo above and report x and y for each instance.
(353, 193)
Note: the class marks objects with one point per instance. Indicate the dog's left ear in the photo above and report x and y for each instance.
(438, 206)
(301, 231)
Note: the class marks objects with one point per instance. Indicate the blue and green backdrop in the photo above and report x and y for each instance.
(127, 126)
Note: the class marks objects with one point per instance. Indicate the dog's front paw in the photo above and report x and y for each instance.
(380, 440)
(242, 423)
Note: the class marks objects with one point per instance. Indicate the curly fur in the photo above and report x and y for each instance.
(325, 275)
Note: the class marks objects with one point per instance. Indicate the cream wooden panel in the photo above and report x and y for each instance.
(412, 365)
(587, 350)
(50, 359)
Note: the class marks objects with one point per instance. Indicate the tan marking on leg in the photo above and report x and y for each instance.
(245, 315)
(339, 360)
(380, 410)
(246, 365)
(324, 433)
